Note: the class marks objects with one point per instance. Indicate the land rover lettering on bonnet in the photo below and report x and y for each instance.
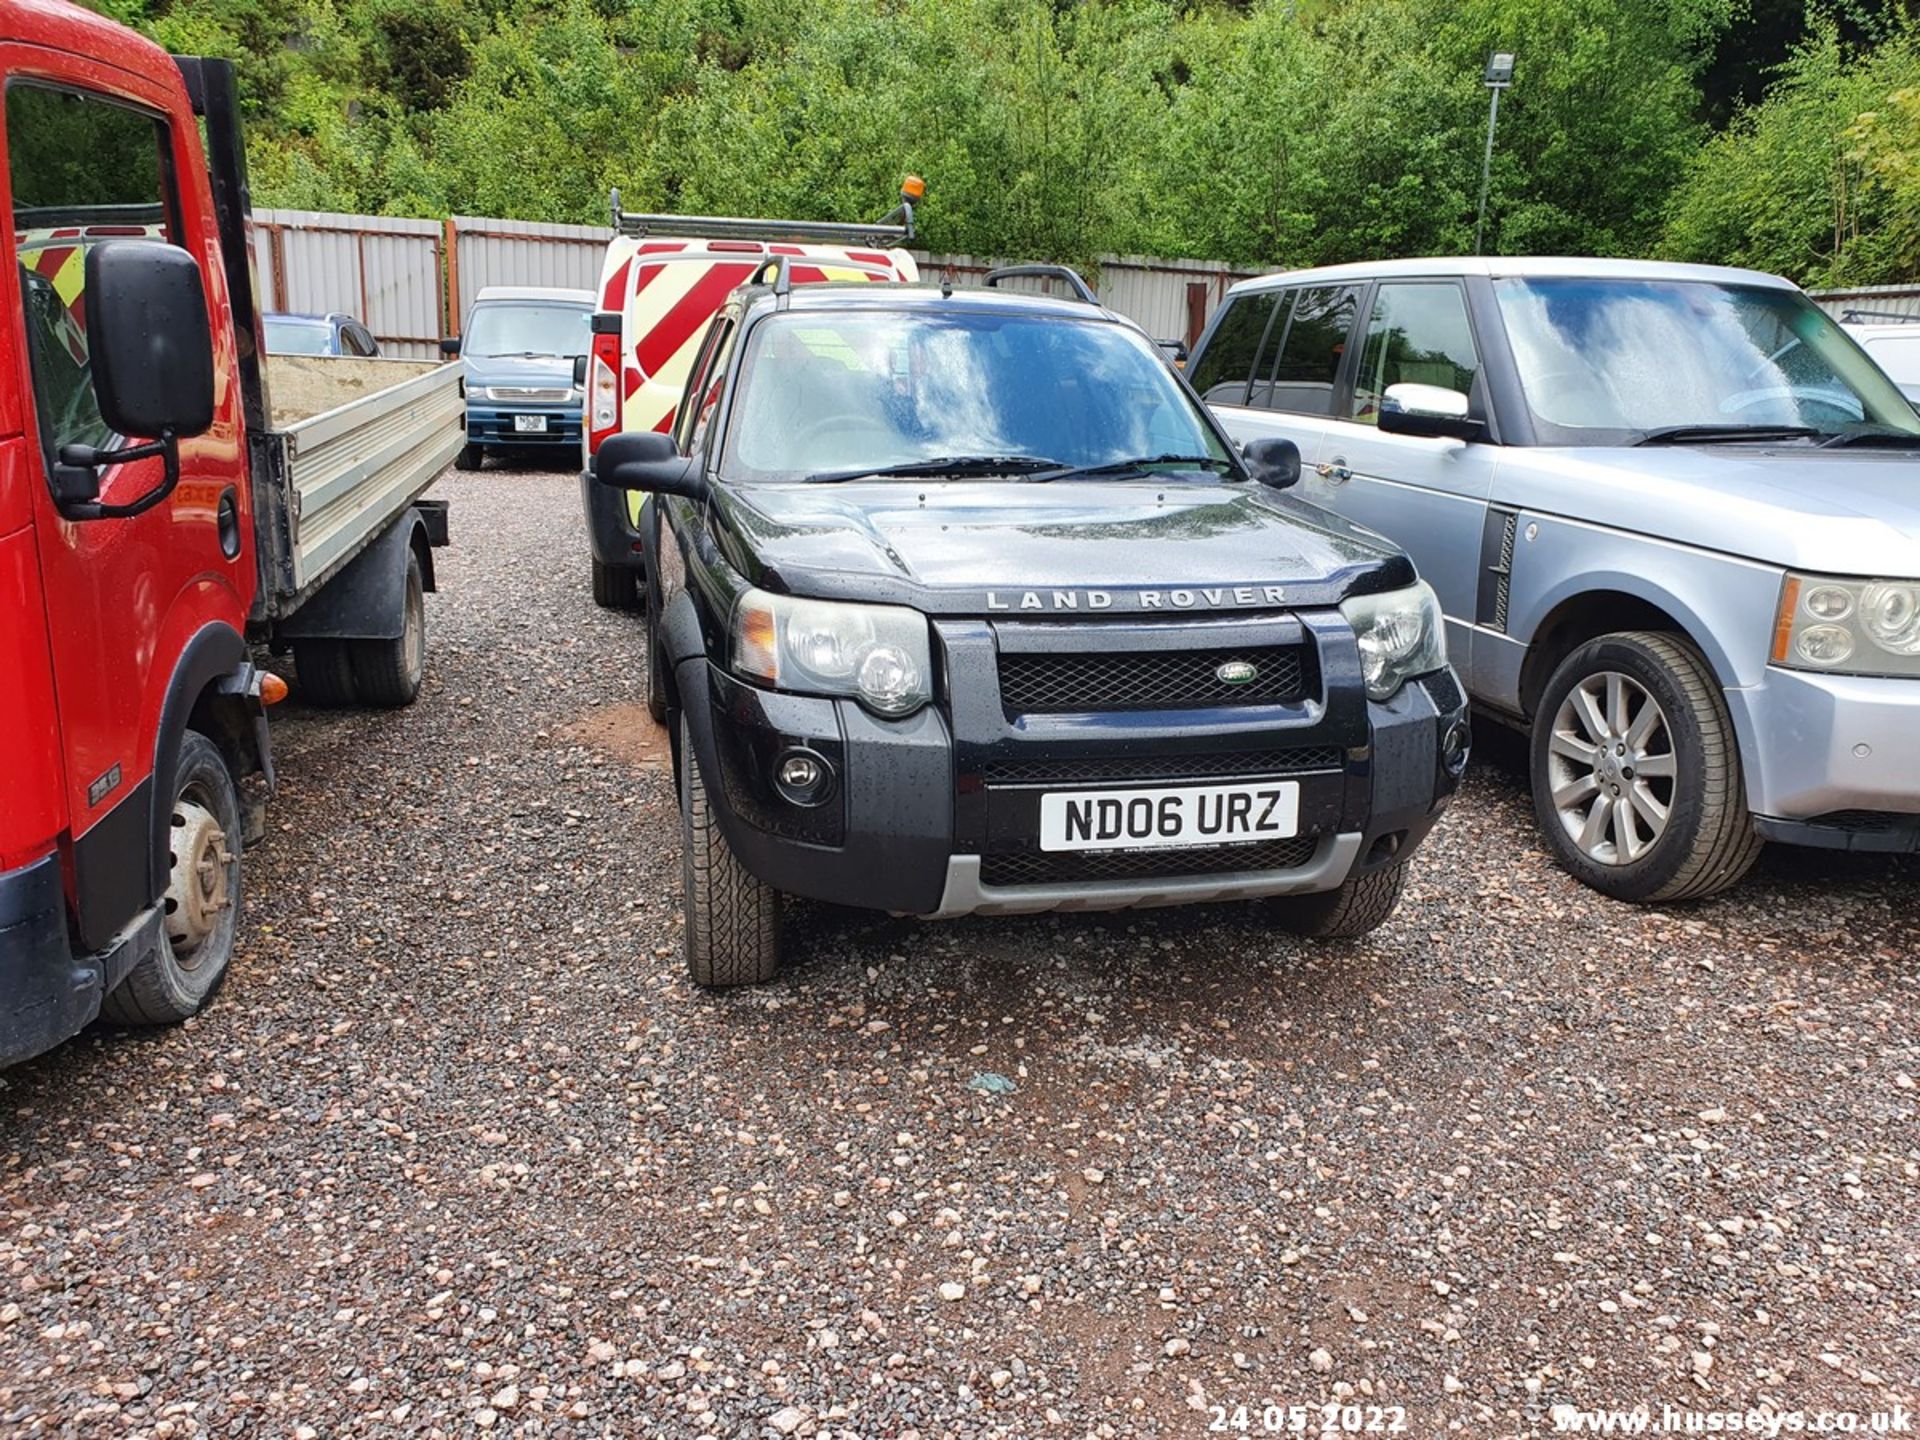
(960, 602)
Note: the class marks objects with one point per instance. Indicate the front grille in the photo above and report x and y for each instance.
(1084, 770)
(542, 393)
(1047, 867)
(1031, 684)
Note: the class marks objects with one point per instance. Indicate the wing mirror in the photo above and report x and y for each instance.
(579, 370)
(1272, 461)
(1174, 350)
(1430, 410)
(450, 345)
(647, 460)
(150, 348)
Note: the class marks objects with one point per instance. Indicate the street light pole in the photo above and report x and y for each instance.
(1498, 77)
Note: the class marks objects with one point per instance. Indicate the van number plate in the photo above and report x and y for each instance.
(530, 424)
(1189, 815)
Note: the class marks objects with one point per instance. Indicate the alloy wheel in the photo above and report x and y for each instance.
(1611, 768)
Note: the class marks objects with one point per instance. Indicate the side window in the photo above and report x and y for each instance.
(1221, 371)
(1418, 334)
(715, 378)
(1306, 363)
(85, 169)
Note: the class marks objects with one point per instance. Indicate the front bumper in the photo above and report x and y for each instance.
(46, 995)
(1829, 758)
(491, 425)
(936, 815)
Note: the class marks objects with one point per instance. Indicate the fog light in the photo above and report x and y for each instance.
(1455, 748)
(802, 777)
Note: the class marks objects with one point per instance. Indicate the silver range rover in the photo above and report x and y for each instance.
(1673, 516)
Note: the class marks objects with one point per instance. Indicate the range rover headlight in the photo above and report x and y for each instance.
(1851, 627)
(877, 654)
(1401, 636)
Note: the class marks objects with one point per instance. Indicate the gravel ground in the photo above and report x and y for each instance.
(458, 1149)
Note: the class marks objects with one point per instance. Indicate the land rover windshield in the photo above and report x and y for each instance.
(1622, 362)
(840, 395)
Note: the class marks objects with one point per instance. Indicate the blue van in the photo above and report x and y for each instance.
(519, 345)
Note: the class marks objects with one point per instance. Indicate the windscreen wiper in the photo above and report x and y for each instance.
(940, 466)
(1714, 434)
(1885, 435)
(1137, 463)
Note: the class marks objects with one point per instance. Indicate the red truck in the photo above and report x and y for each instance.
(161, 524)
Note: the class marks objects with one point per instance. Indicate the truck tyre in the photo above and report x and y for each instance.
(1361, 904)
(733, 919)
(387, 673)
(1636, 771)
(326, 671)
(469, 458)
(202, 903)
(615, 587)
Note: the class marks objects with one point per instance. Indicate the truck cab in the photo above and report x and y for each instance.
(155, 527)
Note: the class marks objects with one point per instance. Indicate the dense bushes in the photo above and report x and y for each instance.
(1262, 133)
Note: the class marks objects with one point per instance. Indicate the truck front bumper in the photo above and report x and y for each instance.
(937, 814)
(46, 994)
(1830, 759)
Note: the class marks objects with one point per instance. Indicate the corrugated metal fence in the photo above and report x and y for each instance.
(411, 281)
(1871, 302)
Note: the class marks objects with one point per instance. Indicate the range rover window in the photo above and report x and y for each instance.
(845, 393)
(1223, 369)
(1619, 361)
(1306, 364)
(1418, 334)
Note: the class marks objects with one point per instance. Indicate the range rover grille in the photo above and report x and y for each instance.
(1075, 770)
(1169, 679)
(1047, 867)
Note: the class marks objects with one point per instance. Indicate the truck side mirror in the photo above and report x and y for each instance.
(450, 345)
(647, 460)
(1273, 461)
(579, 370)
(150, 350)
(1430, 410)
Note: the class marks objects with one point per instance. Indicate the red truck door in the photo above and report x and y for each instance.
(94, 151)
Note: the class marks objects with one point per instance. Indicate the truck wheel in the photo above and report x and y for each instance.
(1363, 903)
(1636, 771)
(615, 587)
(202, 901)
(387, 673)
(326, 671)
(733, 919)
(469, 458)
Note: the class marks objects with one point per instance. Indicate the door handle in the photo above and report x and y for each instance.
(1334, 471)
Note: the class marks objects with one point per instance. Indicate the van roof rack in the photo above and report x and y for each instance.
(893, 228)
(1081, 290)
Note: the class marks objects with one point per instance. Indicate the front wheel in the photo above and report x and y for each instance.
(1636, 771)
(1362, 904)
(179, 976)
(733, 918)
(469, 457)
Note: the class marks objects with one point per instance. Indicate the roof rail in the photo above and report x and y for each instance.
(893, 228)
(1851, 314)
(1081, 290)
(782, 267)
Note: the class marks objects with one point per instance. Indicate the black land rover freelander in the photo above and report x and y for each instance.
(962, 602)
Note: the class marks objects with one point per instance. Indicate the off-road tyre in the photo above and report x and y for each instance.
(733, 919)
(387, 674)
(615, 587)
(1709, 842)
(1361, 904)
(325, 670)
(168, 984)
(656, 677)
(469, 458)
